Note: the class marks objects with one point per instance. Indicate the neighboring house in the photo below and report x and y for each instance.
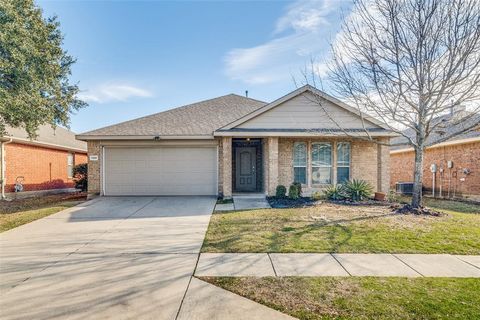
(461, 179)
(236, 144)
(40, 164)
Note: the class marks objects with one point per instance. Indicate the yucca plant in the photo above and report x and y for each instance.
(357, 190)
(334, 192)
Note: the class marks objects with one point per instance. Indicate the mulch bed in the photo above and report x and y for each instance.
(15, 205)
(290, 203)
(408, 209)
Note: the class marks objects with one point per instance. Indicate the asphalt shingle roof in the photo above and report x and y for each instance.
(46, 134)
(441, 131)
(201, 118)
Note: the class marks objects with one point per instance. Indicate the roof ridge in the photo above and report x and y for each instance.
(169, 110)
(238, 95)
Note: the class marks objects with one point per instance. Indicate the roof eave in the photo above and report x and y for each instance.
(227, 133)
(84, 137)
(43, 144)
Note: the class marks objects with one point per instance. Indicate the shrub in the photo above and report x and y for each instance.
(80, 176)
(293, 192)
(299, 188)
(335, 192)
(357, 190)
(281, 191)
(317, 195)
(392, 196)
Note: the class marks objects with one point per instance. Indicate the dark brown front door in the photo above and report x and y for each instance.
(246, 173)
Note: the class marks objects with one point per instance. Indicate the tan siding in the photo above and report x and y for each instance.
(302, 112)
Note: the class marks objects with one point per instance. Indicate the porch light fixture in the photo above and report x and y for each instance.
(248, 139)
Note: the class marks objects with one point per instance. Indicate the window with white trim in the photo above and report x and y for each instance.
(70, 164)
(321, 163)
(300, 162)
(343, 162)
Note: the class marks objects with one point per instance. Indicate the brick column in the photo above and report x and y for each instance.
(94, 175)
(383, 172)
(272, 165)
(226, 167)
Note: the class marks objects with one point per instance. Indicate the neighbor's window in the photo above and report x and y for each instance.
(300, 162)
(321, 163)
(70, 164)
(343, 162)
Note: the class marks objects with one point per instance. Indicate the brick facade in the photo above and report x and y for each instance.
(369, 161)
(464, 156)
(94, 173)
(42, 168)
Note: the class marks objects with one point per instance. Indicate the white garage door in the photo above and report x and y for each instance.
(161, 171)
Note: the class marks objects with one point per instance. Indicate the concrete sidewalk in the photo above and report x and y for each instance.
(341, 264)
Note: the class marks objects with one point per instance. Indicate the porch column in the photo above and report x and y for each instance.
(272, 165)
(226, 167)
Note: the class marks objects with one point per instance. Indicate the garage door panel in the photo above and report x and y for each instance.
(161, 171)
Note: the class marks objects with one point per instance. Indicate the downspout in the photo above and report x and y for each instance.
(4, 171)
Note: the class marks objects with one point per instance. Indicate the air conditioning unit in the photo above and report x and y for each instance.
(404, 187)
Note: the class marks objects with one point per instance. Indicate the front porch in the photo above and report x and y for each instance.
(248, 165)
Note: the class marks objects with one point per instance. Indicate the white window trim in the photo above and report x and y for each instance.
(321, 166)
(70, 172)
(306, 161)
(349, 160)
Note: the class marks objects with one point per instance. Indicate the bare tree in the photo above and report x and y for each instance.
(406, 62)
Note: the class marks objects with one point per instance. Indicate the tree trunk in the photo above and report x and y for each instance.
(418, 178)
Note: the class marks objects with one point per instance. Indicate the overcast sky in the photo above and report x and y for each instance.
(136, 58)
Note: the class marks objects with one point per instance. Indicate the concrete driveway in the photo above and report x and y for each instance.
(109, 258)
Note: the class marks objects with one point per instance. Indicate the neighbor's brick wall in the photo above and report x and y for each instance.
(463, 156)
(94, 173)
(369, 161)
(43, 168)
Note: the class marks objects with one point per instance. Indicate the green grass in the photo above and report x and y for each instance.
(447, 205)
(340, 228)
(362, 297)
(21, 211)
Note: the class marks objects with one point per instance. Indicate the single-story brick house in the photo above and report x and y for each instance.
(234, 144)
(457, 161)
(41, 164)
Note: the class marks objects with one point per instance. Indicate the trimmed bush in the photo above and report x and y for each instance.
(299, 188)
(293, 192)
(281, 191)
(336, 192)
(80, 176)
(357, 190)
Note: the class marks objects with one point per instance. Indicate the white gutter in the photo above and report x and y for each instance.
(247, 134)
(47, 145)
(442, 144)
(156, 138)
(4, 171)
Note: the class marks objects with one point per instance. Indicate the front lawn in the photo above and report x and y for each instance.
(342, 228)
(21, 211)
(362, 297)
